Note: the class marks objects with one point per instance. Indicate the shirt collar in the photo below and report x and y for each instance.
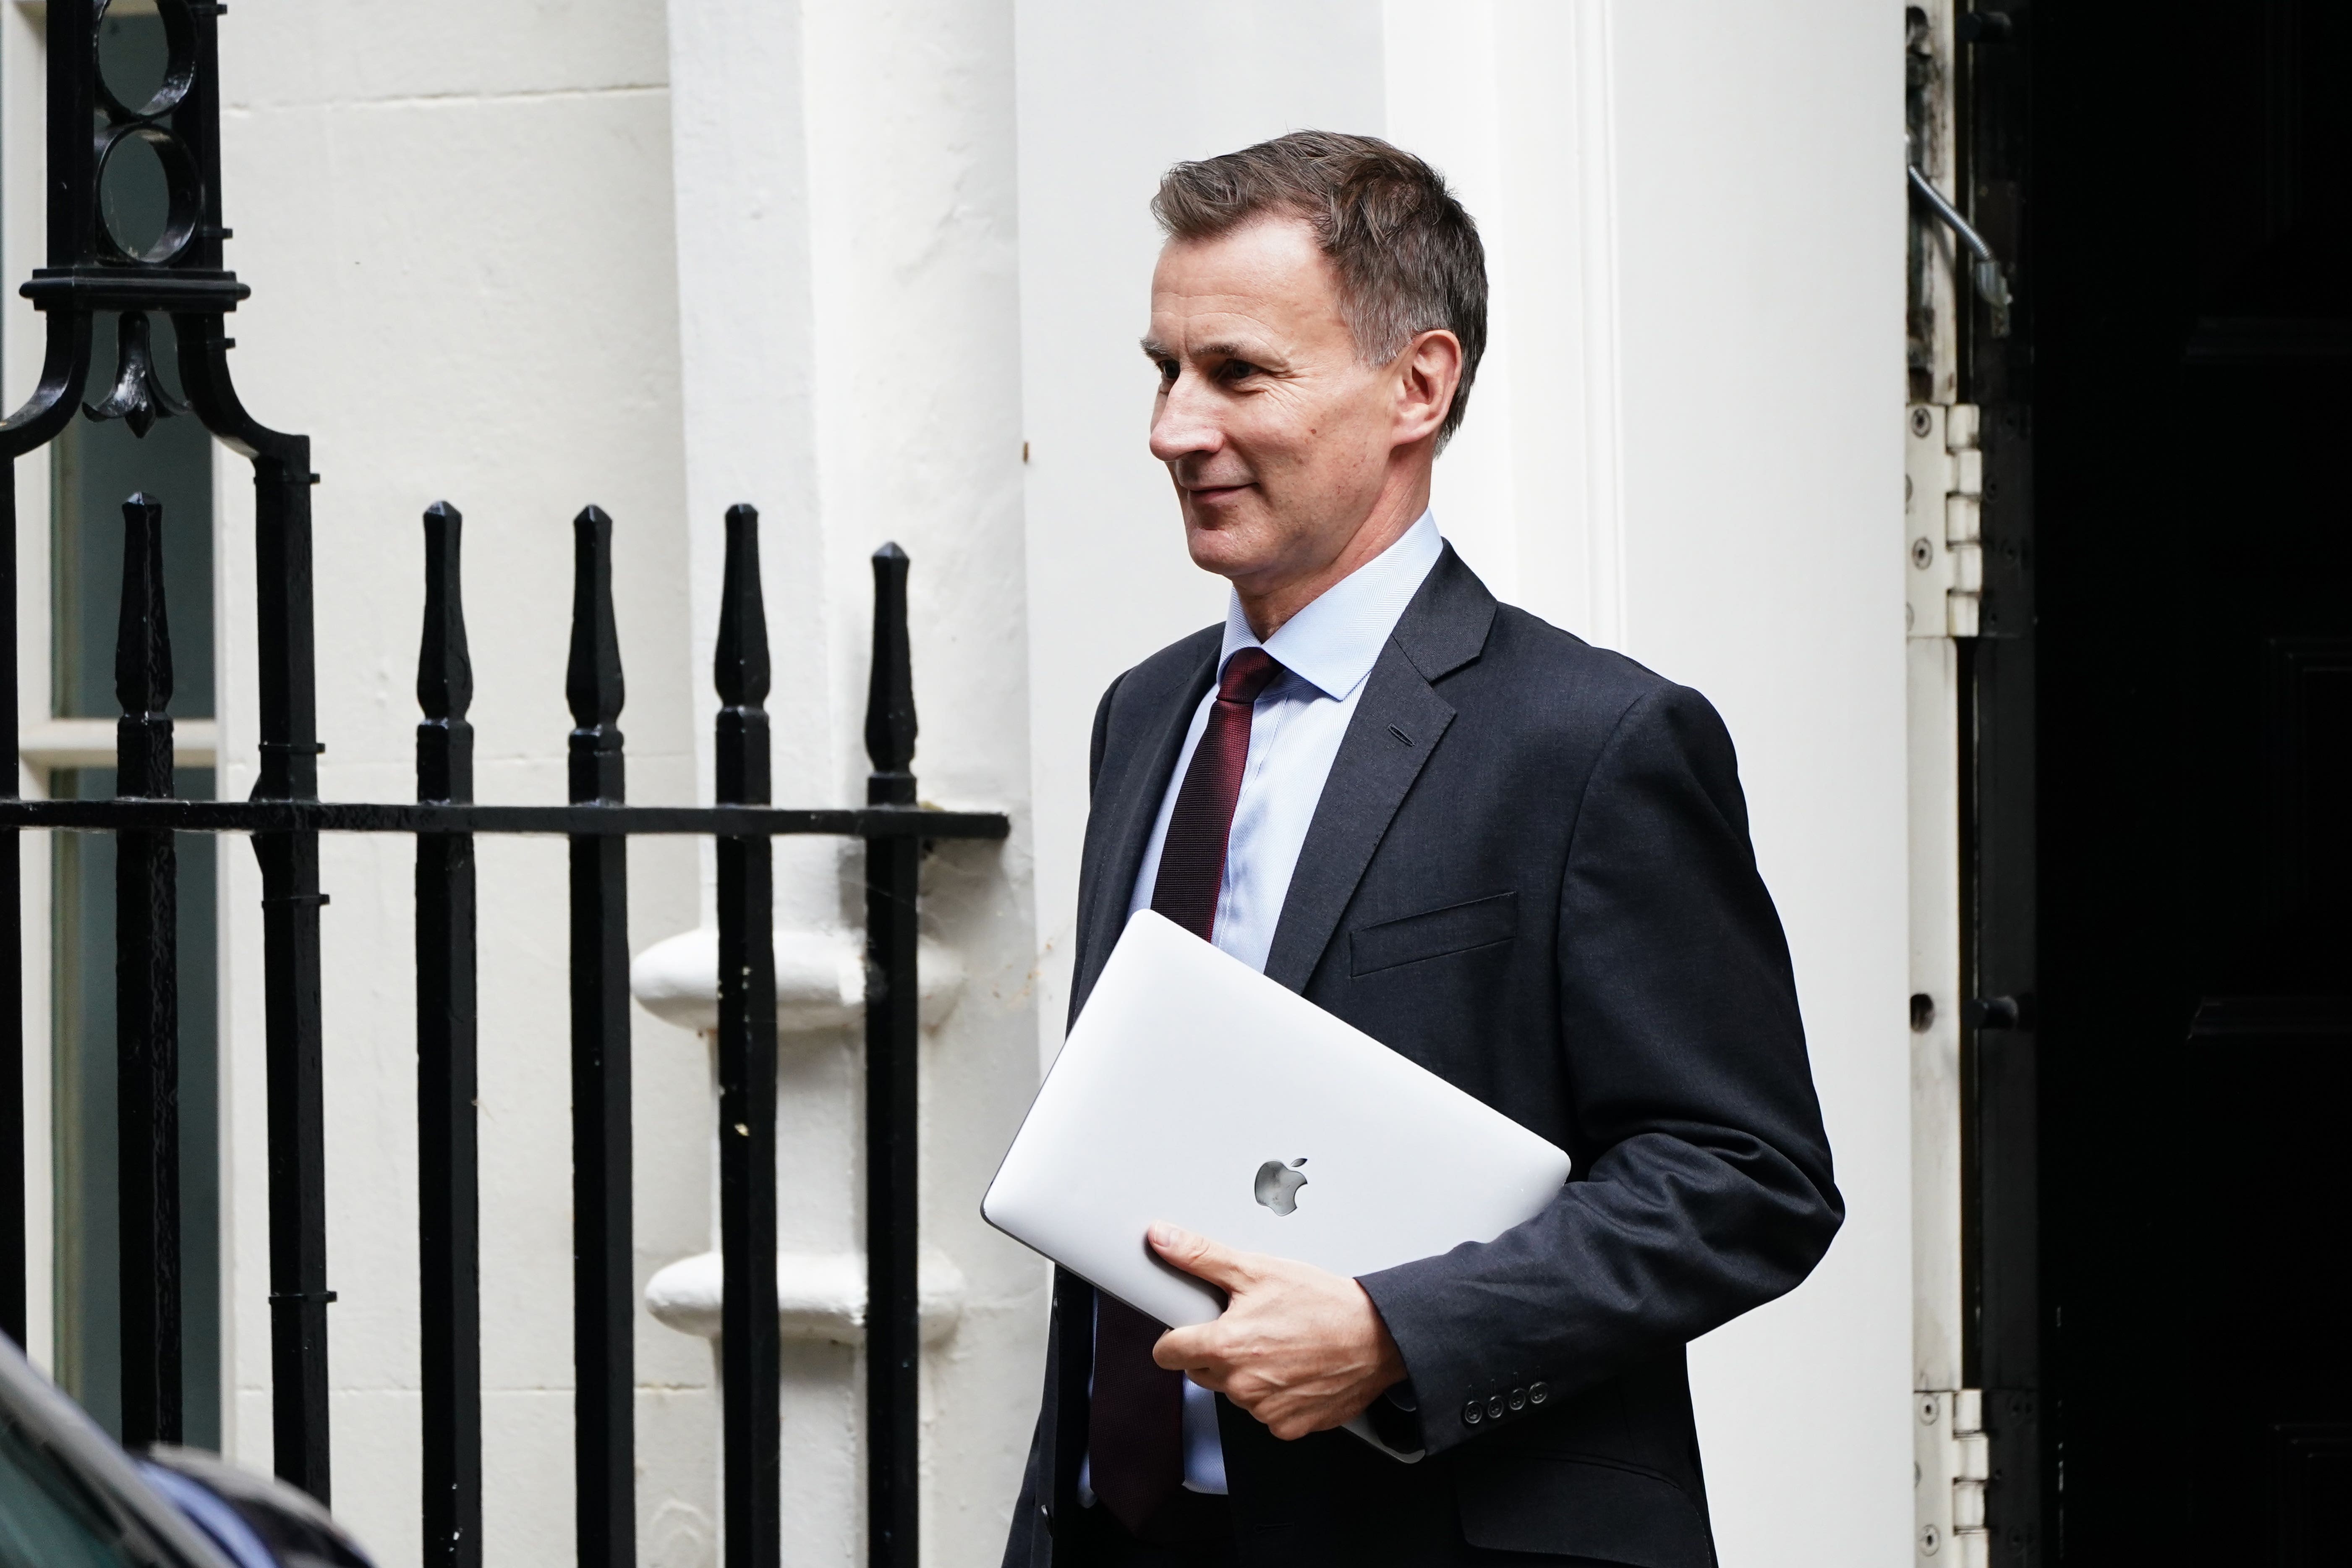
(1333, 643)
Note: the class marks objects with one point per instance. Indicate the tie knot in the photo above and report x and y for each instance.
(1249, 673)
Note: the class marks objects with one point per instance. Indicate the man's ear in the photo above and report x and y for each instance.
(1429, 373)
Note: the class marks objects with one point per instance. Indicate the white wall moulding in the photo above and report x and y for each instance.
(90, 742)
(819, 1295)
(820, 980)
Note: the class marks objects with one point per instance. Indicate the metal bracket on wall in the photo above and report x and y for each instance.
(1992, 286)
(1951, 1462)
(1943, 490)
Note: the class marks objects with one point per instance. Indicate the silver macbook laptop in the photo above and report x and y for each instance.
(1195, 1090)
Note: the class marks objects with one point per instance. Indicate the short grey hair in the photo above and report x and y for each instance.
(1407, 253)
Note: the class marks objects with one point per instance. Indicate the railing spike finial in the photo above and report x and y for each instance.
(139, 398)
(445, 666)
(604, 1299)
(893, 1221)
(890, 693)
(740, 668)
(746, 1059)
(592, 681)
(142, 657)
(448, 1196)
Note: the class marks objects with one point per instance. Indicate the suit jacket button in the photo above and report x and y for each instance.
(1473, 1413)
(1538, 1393)
(1519, 1399)
(1494, 1408)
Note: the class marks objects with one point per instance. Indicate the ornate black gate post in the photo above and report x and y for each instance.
(290, 901)
(91, 270)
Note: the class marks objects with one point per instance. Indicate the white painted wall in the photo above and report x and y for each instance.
(463, 287)
(1760, 237)
(1686, 442)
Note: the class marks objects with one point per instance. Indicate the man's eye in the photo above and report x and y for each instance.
(1237, 370)
(1167, 372)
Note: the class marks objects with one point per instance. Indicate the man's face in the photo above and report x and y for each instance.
(1278, 437)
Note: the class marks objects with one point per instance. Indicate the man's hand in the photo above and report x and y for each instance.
(1301, 1349)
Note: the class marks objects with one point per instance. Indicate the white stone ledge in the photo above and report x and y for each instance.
(819, 1295)
(90, 742)
(820, 980)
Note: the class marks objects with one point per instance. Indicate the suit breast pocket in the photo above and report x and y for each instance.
(1433, 933)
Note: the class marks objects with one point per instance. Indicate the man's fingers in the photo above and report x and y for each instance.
(1198, 1256)
(1180, 1349)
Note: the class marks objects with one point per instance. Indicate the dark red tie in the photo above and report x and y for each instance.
(1136, 1441)
(1193, 861)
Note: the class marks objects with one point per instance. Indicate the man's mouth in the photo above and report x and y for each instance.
(1213, 492)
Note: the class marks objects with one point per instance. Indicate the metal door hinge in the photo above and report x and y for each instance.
(1943, 489)
(1951, 1464)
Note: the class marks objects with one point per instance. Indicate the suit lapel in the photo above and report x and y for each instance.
(1397, 726)
(1128, 812)
(1368, 783)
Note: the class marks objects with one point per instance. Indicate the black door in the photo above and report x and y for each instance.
(2161, 1204)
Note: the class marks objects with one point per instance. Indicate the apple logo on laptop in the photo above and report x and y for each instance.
(1277, 1184)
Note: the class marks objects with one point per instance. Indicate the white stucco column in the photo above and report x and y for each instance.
(850, 345)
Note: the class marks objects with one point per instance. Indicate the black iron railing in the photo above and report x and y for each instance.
(91, 270)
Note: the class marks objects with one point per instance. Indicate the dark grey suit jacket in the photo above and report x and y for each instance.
(1529, 872)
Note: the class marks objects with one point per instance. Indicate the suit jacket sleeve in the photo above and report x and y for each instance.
(1101, 737)
(1706, 1188)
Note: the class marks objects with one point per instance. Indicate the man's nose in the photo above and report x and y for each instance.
(1185, 423)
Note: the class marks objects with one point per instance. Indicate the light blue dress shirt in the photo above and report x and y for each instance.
(1326, 651)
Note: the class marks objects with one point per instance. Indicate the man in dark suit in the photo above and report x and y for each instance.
(1521, 861)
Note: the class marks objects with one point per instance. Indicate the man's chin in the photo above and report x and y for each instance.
(1223, 544)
